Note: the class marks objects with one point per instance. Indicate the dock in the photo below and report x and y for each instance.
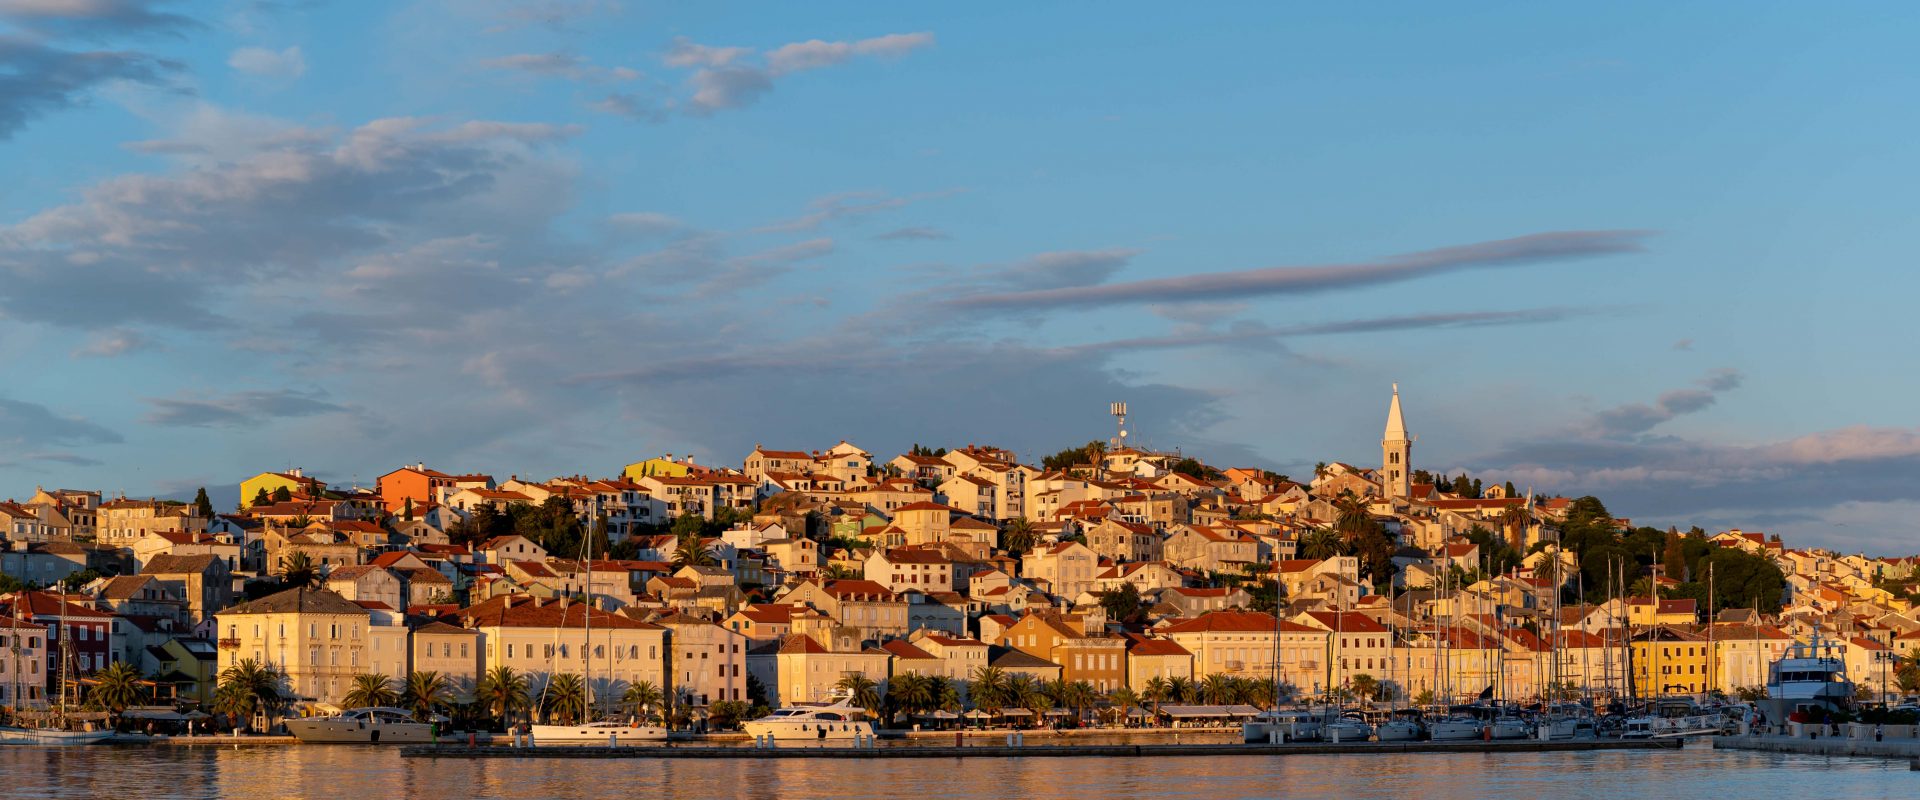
(1903, 749)
(1036, 751)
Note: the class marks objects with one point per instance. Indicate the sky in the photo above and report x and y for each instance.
(1657, 254)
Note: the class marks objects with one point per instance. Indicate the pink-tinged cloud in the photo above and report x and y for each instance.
(1531, 249)
(1855, 443)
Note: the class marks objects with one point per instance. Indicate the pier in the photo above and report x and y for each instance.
(1036, 751)
(1862, 747)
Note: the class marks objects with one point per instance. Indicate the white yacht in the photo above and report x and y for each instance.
(375, 725)
(1455, 728)
(1346, 729)
(1404, 726)
(601, 732)
(1808, 680)
(1280, 726)
(840, 719)
(52, 737)
(1673, 716)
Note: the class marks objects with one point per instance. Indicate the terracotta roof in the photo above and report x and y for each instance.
(299, 600)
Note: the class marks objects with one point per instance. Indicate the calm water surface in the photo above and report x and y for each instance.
(372, 773)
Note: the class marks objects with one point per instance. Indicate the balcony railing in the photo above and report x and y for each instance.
(229, 644)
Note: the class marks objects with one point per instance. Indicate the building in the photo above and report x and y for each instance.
(453, 652)
(543, 637)
(1148, 659)
(23, 665)
(1396, 452)
(316, 638)
(808, 671)
(708, 663)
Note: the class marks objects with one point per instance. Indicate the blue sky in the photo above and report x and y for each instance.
(1652, 253)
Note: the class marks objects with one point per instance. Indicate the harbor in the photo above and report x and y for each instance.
(1037, 751)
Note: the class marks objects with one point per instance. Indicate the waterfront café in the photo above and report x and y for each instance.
(1197, 716)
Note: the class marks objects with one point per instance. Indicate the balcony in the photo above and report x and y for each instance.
(229, 644)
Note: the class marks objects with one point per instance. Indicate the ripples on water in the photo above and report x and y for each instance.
(368, 773)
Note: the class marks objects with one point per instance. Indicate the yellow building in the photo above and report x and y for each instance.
(662, 467)
(1668, 660)
(316, 638)
(295, 481)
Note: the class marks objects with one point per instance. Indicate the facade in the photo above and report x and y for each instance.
(316, 638)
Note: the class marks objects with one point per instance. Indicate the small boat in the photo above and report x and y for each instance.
(1403, 727)
(1672, 717)
(52, 737)
(840, 719)
(1275, 725)
(601, 732)
(1346, 729)
(374, 725)
(1454, 728)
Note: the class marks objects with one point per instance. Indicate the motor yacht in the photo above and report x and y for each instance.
(1807, 683)
(1282, 726)
(599, 732)
(374, 725)
(840, 719)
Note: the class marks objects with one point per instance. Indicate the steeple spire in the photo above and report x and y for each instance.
(1396, 424)
(1396, 452)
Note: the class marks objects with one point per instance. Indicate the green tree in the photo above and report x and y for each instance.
(424, 692)
(1018, 537)
(116, 687)
(1321, 543)
(202, 505)
(690, 550)
(503, 692)
(1366, 687)
(281, 495)
(1158, 691)
(297, 571)
(727, 714)
(261, 498)
(1123, 605)
(988, 689)
(371, 690)
(565, 698)
(863, 690)
(247, 687)
(644, 697)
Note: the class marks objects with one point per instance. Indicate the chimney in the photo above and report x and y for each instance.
(297, 472)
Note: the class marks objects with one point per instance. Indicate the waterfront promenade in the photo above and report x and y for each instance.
(807, 751)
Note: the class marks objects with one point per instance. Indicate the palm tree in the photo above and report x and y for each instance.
(371, 690)
(248, 687)
(297, 571)
(1514, 519)
(1216, 688)
(116, 687)
(1122, 701)
(424, 692)
(914, 692)
(1158, 689)
(864, 692)
(643, 696)
(502, 691)
(1018, 537)
(1180, 689)
(1079, 696)
(988, 689)
(947, 695)
(1365, 687)
(690, 551)
(1321, 543)
(566, 697)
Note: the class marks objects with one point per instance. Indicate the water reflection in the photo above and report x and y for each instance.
(366, 773)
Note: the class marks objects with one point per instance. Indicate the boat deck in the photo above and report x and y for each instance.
(1034, 751)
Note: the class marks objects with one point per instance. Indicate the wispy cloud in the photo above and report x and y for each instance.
(93, 18)
(113, 343)
(268, 63)
(1247, 331)
(238, 408)
(914, 233)
(1636, 418)
(26, 426)
(570, 66)
(1533, 249)
(36, 78)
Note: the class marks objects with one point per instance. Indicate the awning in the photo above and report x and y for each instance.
(1016, 712)
(939, 715)
(1213, 712)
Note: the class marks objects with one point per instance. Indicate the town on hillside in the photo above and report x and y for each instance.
(1105, 580)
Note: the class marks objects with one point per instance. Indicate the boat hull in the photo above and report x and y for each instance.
(619, 734)
(52, 737)
(322, 730)
(1454, 731)
(808, 731)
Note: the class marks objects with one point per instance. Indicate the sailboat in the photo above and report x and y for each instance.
(56, 727)
(590, 730)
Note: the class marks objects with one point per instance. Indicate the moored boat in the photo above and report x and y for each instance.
(373, 725)
(840, 719)
(600, 732)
